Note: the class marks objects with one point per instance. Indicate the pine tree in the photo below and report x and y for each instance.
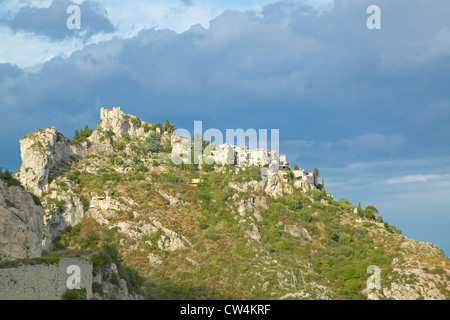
(316, 175)
(166, 127)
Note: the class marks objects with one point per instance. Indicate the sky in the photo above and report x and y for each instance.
(369, 108)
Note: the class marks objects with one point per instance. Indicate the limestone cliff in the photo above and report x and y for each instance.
(20, 223)
(44, 151)
(41, 152)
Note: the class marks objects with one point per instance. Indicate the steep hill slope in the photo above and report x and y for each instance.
(204, 232)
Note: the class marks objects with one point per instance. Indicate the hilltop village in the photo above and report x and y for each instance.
(141, 226)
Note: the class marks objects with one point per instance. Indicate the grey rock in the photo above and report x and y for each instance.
(21, 224)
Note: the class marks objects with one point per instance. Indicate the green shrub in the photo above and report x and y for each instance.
(81, 136)
(153, 143)
(306, 216)
(8, 178)
(171, 178)
(75, 294)
(317, 205)
(113, 279)
(119, 145)
(210, 235)
(344, 201)
(36, 199)
(85, 202)
(291, 201)
(97, 288)
(315, 194)
(167, 148)
(255, 173)
(367, 224)
(74, 176)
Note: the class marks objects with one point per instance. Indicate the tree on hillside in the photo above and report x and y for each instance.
(82, 135)
(296, 167)
(370, 212)
(315, 175)
(168, 127)
(153, 143)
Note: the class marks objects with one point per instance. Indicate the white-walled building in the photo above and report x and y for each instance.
(242, 156)
(303, 178)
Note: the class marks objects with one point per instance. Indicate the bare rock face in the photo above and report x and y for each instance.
(298, 232)
(69, 214)
(21, 224)
(42, 151)
(112, 286)
(272, 184)
(424, 248)
(99, 144)
(119, 123)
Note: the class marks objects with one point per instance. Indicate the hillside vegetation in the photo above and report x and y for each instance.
(226, 237)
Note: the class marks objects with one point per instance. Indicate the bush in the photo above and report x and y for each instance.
(306, 216)
(153, 143)
(255, 173)
(167, 148)
(280, 245)
(291, 201)
(36, 199)
(75, 294)
(119, 145)
(81, 136)
(8, 178)
(86, 203)
(315, 194)
(74, 176)
(97, 288)
(344, 201)
(317, 205)
(171, 178)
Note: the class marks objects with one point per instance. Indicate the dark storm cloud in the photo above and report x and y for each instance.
(320, 77)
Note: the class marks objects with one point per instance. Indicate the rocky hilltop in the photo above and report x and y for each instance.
(213, 231)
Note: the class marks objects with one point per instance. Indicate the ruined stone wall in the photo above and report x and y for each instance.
(43, 281)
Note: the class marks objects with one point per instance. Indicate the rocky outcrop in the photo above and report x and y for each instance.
(409, 280)
(271, 184)
(68, 214)
(428, 249)
(41, 152)
(45, 150)
(119, 123)
(20, 223)
(110, 286)
(298, 232)
(253, 233)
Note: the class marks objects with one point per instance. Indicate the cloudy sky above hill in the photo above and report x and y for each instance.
(369, 108)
